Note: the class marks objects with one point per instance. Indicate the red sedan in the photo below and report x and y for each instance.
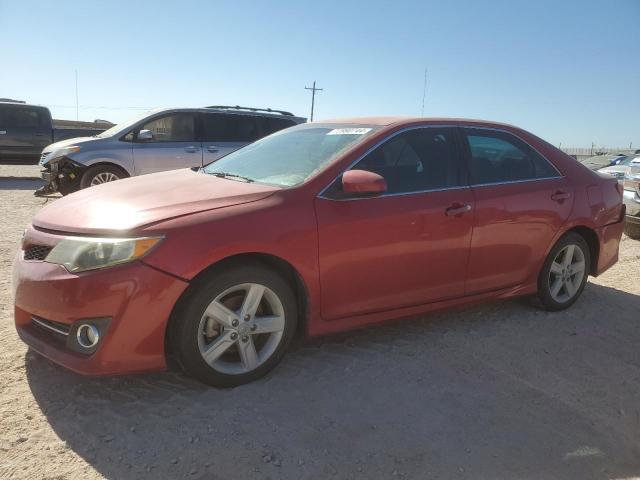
(319, 228)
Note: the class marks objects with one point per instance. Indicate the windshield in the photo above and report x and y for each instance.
(124, 126)
(290, 157)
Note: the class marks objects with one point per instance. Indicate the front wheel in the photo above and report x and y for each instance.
(564, 273)
(235, 326)
(68, 187)
(99, 174)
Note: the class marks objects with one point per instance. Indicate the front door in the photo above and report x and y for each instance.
(173, 144)
(24, 130)
(521, 202)
(406, 247)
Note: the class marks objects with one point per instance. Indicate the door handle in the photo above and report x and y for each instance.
(3, 132)
(212, 148)
(191, 149)
(39, 134)
(560, 196)
(457, 209)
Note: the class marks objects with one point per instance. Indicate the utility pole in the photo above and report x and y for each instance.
(77, 108)
(424, 91)
(313, 96)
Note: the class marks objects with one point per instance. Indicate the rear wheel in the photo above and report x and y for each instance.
(632, 230)
(235, 326)
(564, 273)
(99, 174)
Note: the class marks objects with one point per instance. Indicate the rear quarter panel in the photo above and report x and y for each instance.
(597, 205)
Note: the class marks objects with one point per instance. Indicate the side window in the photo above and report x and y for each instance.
(271, 125)
(417, 160)
(219, 127)
(498, 157)
(22, 117)
(178, 127)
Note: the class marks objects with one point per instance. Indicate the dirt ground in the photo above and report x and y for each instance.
(503, 391)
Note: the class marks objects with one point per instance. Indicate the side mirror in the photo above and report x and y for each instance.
(144, 135)
(363, 182)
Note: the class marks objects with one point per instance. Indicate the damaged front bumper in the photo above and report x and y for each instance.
(62, 176)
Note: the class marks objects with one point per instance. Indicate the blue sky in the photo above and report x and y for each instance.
(567, 70)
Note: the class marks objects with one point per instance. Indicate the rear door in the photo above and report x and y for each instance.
(222, 133)
(173, 145)
(26, 130)
(521, 201)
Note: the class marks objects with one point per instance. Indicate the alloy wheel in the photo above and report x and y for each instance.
(241, 328)
(104, 177)
(566, 273)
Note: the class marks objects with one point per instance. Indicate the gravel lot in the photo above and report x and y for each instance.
(501, 391)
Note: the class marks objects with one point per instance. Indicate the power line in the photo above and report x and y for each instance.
(313, 96)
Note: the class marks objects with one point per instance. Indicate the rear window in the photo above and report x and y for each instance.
(20, 117)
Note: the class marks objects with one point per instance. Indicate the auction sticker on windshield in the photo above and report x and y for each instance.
(349, 131)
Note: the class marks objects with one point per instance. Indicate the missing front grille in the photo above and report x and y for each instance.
(37, 252)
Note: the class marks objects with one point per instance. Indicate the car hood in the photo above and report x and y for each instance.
(125, 205)
(69, 141)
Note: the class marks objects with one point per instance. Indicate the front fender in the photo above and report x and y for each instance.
(286, 230)
(122, 158)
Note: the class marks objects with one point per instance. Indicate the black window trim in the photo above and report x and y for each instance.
(152, 118)
(461, 159)
(467, 152)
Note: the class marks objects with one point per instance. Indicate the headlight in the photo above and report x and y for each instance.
(62, 152)
(79, 254)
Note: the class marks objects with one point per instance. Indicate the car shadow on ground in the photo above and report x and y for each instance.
(501, 391)
(20, 183)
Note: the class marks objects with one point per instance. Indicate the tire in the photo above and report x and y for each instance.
(560, 289)
(632, 230)
(93, 175)
(226, 333)
(67, 188)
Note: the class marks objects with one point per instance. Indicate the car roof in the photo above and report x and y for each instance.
(230, 111)
(406, 121)
(17, 103)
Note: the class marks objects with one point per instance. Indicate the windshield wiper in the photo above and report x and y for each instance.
(232, 175)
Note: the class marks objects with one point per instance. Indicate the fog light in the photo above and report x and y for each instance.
(88, 335)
